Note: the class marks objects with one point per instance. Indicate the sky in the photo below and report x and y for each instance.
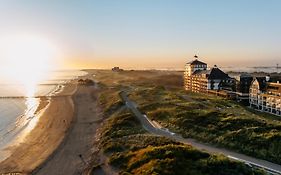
(136, 34)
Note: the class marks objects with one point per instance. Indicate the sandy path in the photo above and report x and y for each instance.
(44, 138)
(72, 156)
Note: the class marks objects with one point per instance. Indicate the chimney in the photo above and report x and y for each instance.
(267, 78)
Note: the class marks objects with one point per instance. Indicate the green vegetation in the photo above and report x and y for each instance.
(178, 159)
(109, 100)
(134, 151)
(213, 120)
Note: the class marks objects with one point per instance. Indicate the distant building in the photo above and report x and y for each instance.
(262, 93)
(265, 95)
(244, 82)
(116, 69)
(198, 79)
(242, 87)
(190, 68)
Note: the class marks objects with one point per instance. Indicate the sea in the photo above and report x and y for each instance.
(17, 112)
(264, 69)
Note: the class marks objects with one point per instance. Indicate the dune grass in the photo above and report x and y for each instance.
(213, 120)
(207, 118)
(134, 151)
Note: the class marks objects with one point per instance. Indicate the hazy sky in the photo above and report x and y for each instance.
(151, 33)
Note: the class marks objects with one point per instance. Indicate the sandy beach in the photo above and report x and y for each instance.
(76, 151)
(55, 118)
(64, 141)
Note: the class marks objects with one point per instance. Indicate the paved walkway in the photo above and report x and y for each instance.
(148, 125)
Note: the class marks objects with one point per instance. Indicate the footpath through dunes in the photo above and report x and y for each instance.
(75, 153)
(53, 122)
(269, 167)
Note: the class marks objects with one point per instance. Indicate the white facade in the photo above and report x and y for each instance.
(190, 68)
(268, 100)
(254, 93)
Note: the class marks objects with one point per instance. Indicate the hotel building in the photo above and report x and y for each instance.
(197, 78)
(266, 95)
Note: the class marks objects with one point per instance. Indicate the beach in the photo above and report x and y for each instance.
(64, 138)
(79, 146)
(55, 116)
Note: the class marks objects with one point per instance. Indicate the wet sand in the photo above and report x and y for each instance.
(55, 118)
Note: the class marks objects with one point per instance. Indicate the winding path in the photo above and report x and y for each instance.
(271, 168)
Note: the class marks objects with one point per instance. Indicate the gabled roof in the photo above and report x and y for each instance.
(196, 62)
(216, 74)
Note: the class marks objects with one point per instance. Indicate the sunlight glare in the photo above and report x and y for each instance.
(26, 59)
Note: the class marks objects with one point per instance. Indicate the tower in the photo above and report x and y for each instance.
(190, 68)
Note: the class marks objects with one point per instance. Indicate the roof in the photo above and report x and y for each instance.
(197, 72)
(196, 62)
(216, 73)
(262, 82)
(275, 79)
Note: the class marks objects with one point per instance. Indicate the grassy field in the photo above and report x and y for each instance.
(213, 120)
(132, 150)
(206, 118)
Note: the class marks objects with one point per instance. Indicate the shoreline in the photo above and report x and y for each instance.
(43, 104)
(76, 151)
(54, 115)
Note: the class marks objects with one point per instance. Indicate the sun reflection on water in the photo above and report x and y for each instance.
(32, 103)
(26, 61)
(31, 106)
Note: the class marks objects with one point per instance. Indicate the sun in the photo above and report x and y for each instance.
(27, 59)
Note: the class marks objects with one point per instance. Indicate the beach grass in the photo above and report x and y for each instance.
(207, 118)
(213, 120)
(132, 150)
